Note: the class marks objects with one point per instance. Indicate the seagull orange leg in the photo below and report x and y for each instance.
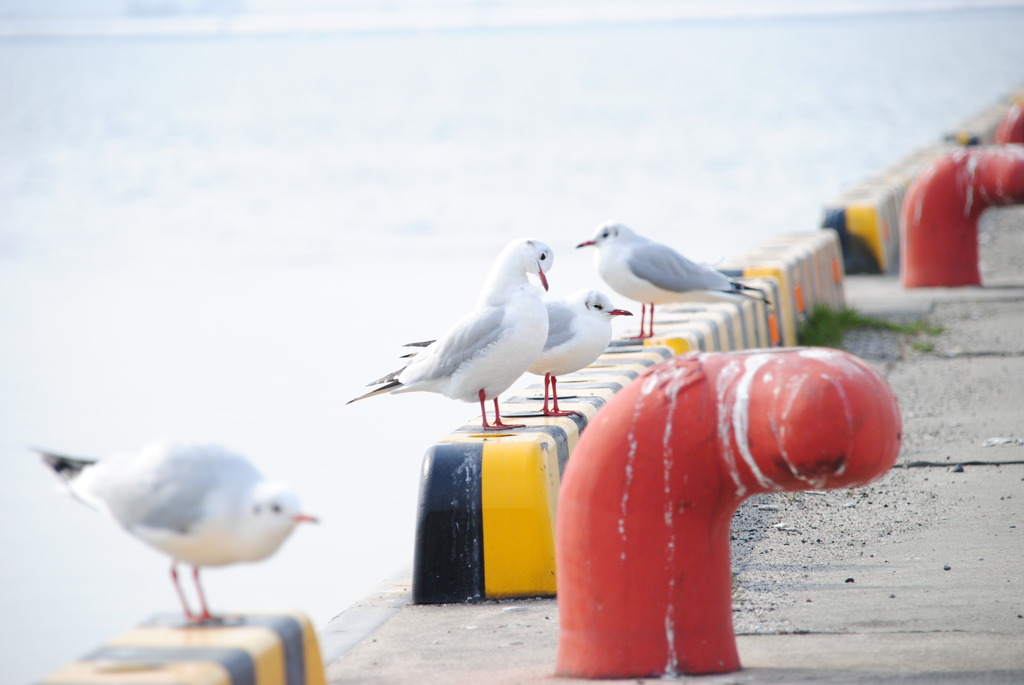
(555, 411)
(181, 595)
(547, 382)
(643, 318)
(498, 425)
(205, 615)
(483, 411)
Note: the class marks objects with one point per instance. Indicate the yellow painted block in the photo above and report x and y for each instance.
(519, 494)
(828, 255)
(171, 651)
(746, 321)
(604, 393)
(819, 272)
(784, 305)
(679, 342)
(638, 354)
(717, 320)
(698, 335)
(313, 660)
(863, 220)
(620, 363)
(261, 643)
(800, 266)
(638, 360)
(789, 261)
(152, 673)
(821, 248)
(741, 320)
(763, 313)
(577, 384)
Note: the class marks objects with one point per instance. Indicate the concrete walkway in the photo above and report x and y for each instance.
(918, 578)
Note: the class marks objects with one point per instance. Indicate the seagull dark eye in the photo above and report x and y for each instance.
(543, 256)
(276, 508)
(605, 234)
(598, 307)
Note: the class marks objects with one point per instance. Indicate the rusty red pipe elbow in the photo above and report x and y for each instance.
(939, 222)
(644, 578)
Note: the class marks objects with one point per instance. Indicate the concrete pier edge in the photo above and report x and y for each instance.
(872, 600)
(945, 635)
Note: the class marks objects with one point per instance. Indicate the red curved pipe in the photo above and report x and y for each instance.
(939, 223)
(644, 582)
(1011, 128)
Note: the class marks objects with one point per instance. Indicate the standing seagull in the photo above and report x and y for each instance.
(200, 504)
(489, 348)
(651, 273)
(579, 330)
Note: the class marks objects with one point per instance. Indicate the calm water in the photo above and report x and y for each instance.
(225, 238)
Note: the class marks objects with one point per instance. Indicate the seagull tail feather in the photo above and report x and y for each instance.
(68, 468)
(746, 290)
(379, 390)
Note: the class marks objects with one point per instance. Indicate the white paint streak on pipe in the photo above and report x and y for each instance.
(824, 354)
(971, 171)
(725, 378)
(927, 173)
(741, 417)
(631, 440)
(848, 412)
(671, 381)
(793, 385)
(651, 383)
(672, 662)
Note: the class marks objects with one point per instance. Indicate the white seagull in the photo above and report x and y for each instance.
(579, 330)
(489, 348)
(199, 504)
(652, 273)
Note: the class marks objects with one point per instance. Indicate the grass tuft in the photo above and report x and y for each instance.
(825, 326)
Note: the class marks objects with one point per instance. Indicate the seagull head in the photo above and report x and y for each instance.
(512, 268)
(607, 234)
(544, 258)
(599, 304)
(533, 257)
(269, 516)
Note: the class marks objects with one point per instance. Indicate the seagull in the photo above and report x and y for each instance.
(200, 504)
(489, 348)
(579, 329)
(651, 273)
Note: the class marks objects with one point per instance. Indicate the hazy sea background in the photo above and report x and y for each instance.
(219, 220)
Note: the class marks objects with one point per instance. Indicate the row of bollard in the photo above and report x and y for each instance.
(871, 216)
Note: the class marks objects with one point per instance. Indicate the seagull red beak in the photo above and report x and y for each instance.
(543, 278)
(305, 518)
(585, 243)
(620, 312)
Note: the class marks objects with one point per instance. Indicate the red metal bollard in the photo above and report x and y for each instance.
(644, 582)
(1011, 128)
(939, 222)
